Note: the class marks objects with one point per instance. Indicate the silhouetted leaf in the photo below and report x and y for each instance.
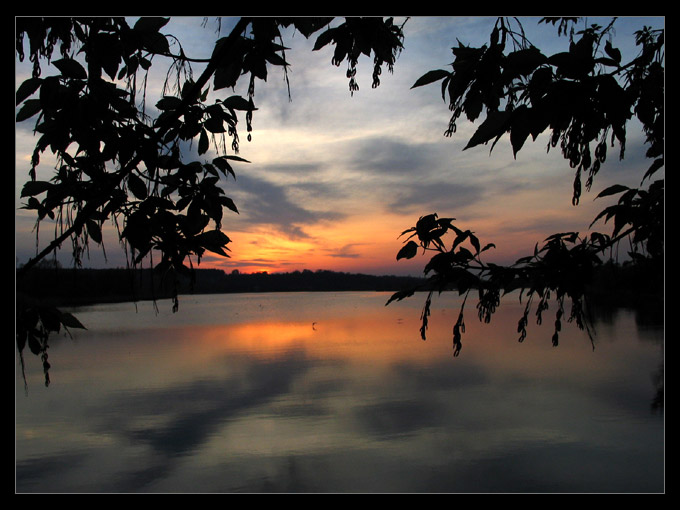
(169, 103)
(408, 251)
(474, 241)
(138, 231)
(94, 231)
(214, 125)
(657, 164)
(238, 103)
(32, 188)
(227, 75)
(214, 241)
(520, 128)
(34, 344)
(228, 203)
(70, 68)
(26, 89)
(305, 25)
(524, 61)
(463, 255)
(137, 187)
(402, 294)
(224, 166)
(324, 39)
(30, 108)
(612, 190)
(150, 23)
(614, 53)
(431, 77)
(203, 142)
(50, 318)
(236, 158)
(70, 321)
(495, 125)
(412, 229)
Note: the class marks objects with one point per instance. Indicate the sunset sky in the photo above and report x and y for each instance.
(335, 178)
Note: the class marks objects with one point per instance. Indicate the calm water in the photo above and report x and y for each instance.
(334, 392)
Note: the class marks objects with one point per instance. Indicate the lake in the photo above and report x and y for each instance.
(335, 392)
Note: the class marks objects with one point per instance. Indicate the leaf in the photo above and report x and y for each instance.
(26, 89)
(30, 108)
(323, 39)
(525, 61)
(32, 188)
(608, 212)
(464, 254)
(238, 103)
(50, 318)
(94, 231)
(223, 166)
(658, 163)
(229, 204)
(495, 125)
(150, 23)
(474, 241)
(137, 186)
(214, 241)
(408, 251)
(69, 321)
(70, 68)
(226, 75)
(153, 42)
(203, 142)
(612, 190)
(402, 294)
(168, 103)
(520, 128)
(236, 158)
(137, 231)
(214, 125)
(412, 229)
(34, 344)
(431, 77)
(614, 53)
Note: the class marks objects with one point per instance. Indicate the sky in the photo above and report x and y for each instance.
(334, 178)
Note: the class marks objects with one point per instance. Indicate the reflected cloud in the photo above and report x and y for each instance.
(384, 420)
(333, 393)
(184, 417)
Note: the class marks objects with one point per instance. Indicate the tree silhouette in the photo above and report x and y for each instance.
(583, 98)
(116, 164)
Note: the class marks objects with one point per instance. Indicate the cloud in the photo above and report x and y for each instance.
(262, 202)
(390, 156)
(346, 251)
(440, 196)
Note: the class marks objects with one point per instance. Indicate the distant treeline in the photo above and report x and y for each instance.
(612, 285)
(62, 286)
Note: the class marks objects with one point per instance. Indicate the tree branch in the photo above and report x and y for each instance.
(92, 205)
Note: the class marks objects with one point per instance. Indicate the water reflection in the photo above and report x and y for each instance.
(336, 393)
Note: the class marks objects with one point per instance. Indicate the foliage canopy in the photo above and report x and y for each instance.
(115, 163)
(583, 97)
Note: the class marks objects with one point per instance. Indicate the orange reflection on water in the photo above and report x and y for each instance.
(362, 338)
(386, 336)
